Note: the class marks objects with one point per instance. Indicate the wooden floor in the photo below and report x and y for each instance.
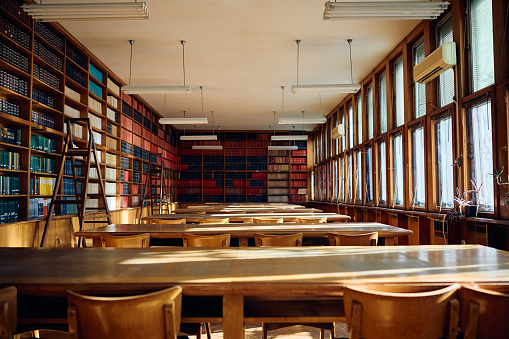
(254, 331)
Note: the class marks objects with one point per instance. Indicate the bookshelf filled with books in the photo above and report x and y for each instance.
(47, 76)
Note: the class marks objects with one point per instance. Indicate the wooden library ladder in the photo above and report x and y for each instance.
(79, 152)
(156, 178)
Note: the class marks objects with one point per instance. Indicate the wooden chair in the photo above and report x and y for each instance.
(278, 240)
(193, 240)
(313, 220)
(261, 220)
(401, 311)
(154, 315)
(215, 221)
(290, 219)
(170, 221)
(126, 241)
(362, 239)
(484, 312)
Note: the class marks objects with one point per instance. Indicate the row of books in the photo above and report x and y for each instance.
(72, 112)
(72, 94)
(14, 33)
(76, 56)
(14, 58)
(9, 185)
(49, 36)
(111, 129)
(9, 210)
(10, 135)
(38, 207)
(13, 83)
(74, 74)
(299, 176)
(94, 88)
(42, 165)
(94, 104)
(42, 143)
(301, 160)
(68, 168)
(9, 108)
(46, 77)
(68, 186)
(275, 168)
(279, 160)
(42, 185)
(278, 176)
(112, 115)
(43, 119)
(113, 87)
(111, 159)
(299, 183)
(253, 166)
(43, 98)
(97, 74)
(9, 160)
(43, 53)
(69, 208)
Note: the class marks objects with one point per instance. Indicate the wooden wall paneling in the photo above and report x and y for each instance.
(501, 152)
(413, 225)
(424, 230)
(501, 40)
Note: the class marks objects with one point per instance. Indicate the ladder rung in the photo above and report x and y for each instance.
(68, 202)
(94, 221)
(78, 152)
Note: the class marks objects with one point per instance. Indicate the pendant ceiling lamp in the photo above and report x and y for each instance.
(151, 89)
(207, 137)
(275, 137)
(299, 121)
(88, 11)
(385, 10)
(193, 137)
(325, 88)
(184, 120)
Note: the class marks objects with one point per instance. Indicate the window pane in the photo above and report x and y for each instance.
(483, 73)
(383, 103)
(398, 91)
(419, 89)
(419, 190)
(480, 153)
(443, 132)
(337, 140)
(343, 138)
(342, 179)
(325, 143)
(359, 119)
(446, 79)
(369, 175)
(350, 124)
(350, 178)
(335, 177)
(358, 177)
(397, 144)
(382, 174)
(370, 112)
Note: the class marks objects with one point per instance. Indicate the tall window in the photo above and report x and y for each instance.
(481, 30)
(343, 138)
(369, 175)
(397, 165)
(446, 79)
(418, 170)
(350, 177)
(370, 111)
(359, 118)
(419, 89)
(336, 141)
(335, 180)
(444, 160)
(382, 174)
(480, 153)
(383, 103)
(325, 141)
(350, 124)
(342, 179)
(358, 177)
(399, 101)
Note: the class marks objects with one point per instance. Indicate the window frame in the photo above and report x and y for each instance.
(358, 169)
(417, 123)
(376, 171)
(391, 183)
(366, 146)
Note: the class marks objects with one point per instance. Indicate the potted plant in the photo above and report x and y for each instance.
(498, 177)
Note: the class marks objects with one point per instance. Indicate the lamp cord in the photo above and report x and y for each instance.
(201, 93)
(351, 71)
(274, 123)
(298, 54)
(183, 42)
(131, 61)
(282, 102)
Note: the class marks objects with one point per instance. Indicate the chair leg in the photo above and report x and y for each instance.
(198, 332)
(264, 331)
(207, 329)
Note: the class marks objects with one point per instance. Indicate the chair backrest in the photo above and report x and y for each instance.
(154, 315)
(401, 311)
(215, 221)
(8, 311)
(484, 312)
(362, 239)
(261, 220)
(278, 240)
(170, 221)
(290, 219)
(313, 220)
(193, 240)
(127, 241)
(247, 220)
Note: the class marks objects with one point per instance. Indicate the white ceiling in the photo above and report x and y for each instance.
(242, 52)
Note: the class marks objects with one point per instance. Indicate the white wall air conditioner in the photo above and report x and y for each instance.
(443, 58)
(338, 131)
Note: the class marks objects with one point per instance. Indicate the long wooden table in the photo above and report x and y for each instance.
(331, 217)
(238, 276)
(243, 232)
(230, 210)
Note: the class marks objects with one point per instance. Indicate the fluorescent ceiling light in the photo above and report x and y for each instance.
(207, 147)
(333, 88)
(301, 121)
(183, 121)
(198, 137)
(288, 137)
(283, 148)
(156, 89)
(88, 11)
(389, 10)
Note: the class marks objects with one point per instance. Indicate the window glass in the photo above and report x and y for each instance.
(444, 161)
(418, 173)
(370, 112)
(342, 179)
(446, 79)
(419, 89)
(397, 148)
(359, 118)
(337, 140)
(335, 179)
(369, 175)
(325, 143)
(480, 154)
(382, 174)
(399, 93)
(350, 178)
(350, 124)
(481, 30)
(383, 103)
(343, 139)
(358, 177)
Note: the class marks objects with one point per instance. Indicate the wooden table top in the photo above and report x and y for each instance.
(197, 217)
(246, 230)
(229, 210)
(247, 271)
